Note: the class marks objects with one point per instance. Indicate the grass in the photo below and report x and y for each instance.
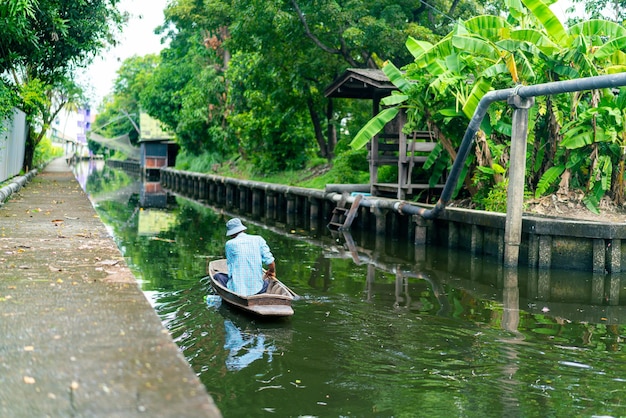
(315, 175)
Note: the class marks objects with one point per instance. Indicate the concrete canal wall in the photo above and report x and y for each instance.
(547, 242)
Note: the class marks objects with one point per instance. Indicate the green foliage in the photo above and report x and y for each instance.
(34, 98)
(272, 141)
(548, 179)
(495, 200)
(205, 163)
(46, 151)
(49, 38)
(491, 193)
(248, 76)
(387, 174)
(447, 79)
(349, 167)
(43, 43)
(119, 114)
(8, 100)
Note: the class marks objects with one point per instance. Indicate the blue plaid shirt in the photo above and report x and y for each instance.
(245, 257)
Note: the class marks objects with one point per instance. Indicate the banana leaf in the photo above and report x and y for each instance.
(373, 127)
(617, 44)
(396, 77)
(476, 46)
(431, 59)
(488, 26)
(495, 70)
(548, 178)
(577, 137)
(597, 27)
(516, 9)
(548, 19)
(416, 47)
(481, 87)
(536, 38)
(394, 99)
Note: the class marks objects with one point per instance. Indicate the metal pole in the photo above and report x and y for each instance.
(517, 172)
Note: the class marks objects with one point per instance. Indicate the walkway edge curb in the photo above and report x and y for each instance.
(15, 185)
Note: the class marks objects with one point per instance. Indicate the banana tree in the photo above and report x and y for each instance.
(443, 85)
(591, 125)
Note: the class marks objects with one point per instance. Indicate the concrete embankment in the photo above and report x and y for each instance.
(79, 338)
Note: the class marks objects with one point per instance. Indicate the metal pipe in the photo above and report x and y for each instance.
(545, 89)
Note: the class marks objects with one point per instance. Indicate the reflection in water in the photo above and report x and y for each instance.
(383, 329)
(87, 168)
(244, 348)
(510, 323)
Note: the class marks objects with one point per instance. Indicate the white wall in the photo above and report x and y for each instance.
(12, 145)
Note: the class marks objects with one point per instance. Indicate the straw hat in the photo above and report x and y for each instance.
(234, 226)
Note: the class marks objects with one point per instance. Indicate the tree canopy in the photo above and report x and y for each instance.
(247, 77)
(44, 41)
(576, 139)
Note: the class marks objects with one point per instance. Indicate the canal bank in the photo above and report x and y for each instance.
(547, 242)
(79, 337)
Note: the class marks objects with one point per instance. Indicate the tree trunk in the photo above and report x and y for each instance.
(29, 152)
(617, 185)
(332, 130)
(317, 126)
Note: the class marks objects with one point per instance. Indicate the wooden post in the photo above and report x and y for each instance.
(230, 195)
(403, 166)
(373, 153)
(517, 172)
(510, 300)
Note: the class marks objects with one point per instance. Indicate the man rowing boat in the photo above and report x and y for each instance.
(246, 254)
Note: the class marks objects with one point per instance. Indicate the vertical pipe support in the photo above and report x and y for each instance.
(292, 205)
(212, 192)
(230, 195)
(421, 230)
(243, 198)
(517, 171)
(381, 220)
(313, 213)
(257, 207)
(270, 204)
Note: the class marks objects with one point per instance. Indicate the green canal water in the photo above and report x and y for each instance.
(381, 329)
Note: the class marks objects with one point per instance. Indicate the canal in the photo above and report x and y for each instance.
(380, 330)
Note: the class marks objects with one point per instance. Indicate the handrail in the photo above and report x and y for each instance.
(555, 87)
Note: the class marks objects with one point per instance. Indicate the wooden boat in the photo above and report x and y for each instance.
(275, 302)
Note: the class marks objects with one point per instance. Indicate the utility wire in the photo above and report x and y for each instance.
(437, 10)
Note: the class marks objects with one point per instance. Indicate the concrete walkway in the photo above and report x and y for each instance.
(78, 337)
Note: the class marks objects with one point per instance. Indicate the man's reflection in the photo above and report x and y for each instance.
(244, 348)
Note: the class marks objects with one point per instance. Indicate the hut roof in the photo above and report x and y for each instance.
(360, 83)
